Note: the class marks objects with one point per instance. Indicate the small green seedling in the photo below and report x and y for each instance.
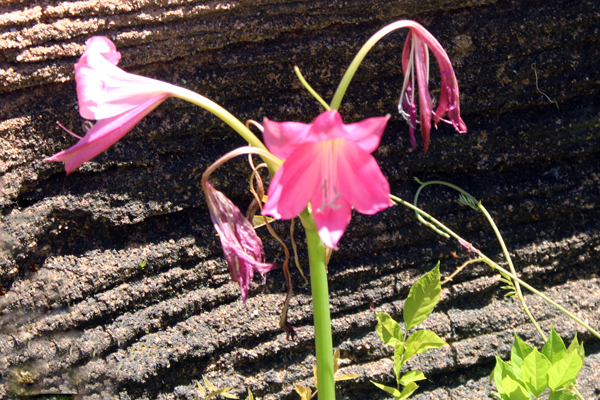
(421, 300)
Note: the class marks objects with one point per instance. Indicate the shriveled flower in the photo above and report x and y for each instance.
(328, 164)
(415, 62)
(117, 99)
(241, 245)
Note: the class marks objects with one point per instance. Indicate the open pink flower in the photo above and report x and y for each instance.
(328, 164)
(116, 99)
(415, 62)
(241, 245)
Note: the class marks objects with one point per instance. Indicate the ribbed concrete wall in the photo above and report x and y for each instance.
(78, 313)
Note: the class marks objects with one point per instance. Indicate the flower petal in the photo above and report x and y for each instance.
(367, 133)
(294, 183)
(282, 138)
(104, 134)
(362, 184)
(331, 221)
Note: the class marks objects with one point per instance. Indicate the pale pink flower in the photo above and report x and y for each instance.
(117, 99)
(241, 245)
(328, 164)
(415, 62)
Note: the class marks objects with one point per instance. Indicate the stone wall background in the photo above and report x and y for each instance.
(78, 312)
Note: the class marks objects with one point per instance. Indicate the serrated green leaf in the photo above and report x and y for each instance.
(519, 351)
(407, 391)
(421, 341)
(564, 371)
(391, 390)
(412, 376)
(554, 349)
(398, 352)
(562, 395)
(422, 298)
(534, 372)
(514, 390)
(388, 330)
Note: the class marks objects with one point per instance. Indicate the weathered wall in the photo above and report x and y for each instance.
(79, 314)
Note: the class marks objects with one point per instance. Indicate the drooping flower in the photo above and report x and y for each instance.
(117, 99)
(241, 245)
(415, 62)
(328, 164)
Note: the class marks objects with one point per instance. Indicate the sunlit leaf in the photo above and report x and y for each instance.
(564, 371)
(391, 390)
(412, 376)
(554, 349)
(398, 352)
(519, 351)
(534, 372)
(407, 391)
(388, 330)
(421, 341)
(514, 390)
(422, 298)
(562, 395)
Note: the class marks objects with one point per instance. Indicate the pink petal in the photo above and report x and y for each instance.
(294, 183)
(425, 103)
(104, 46)
(282, 138)
(367, 133)
(331, 222)
(104, 90)
(104, 134)
(327, 126)
(362, 183)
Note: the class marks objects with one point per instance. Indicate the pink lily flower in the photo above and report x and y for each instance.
(415, 61)
(117, 99)
(241, 245)
(328, 164)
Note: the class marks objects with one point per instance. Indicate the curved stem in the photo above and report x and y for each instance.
(310, 89)
(500, 239)
(322, 319)
(512, 269)
(343, 86)
(225, 116)
(493, 264)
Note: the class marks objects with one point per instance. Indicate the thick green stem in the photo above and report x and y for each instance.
(322, 319)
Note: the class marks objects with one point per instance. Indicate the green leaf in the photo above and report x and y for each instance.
(514, 390)
(501, 371)
(411, 376)
(421, 341)
(250, 395)
(393, 391)
(422, 298)
(398, 360)
(389, 330)
(534, 372)
(554, 349)
(407, 391)
(519, 351)
(562, 395)
(564, 371)
(577, 347)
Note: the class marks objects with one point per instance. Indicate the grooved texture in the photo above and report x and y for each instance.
(79, 313)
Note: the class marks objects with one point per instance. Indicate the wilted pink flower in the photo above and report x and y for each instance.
(241, 245)
(116, 99)
(330, 165)
(415, 62)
